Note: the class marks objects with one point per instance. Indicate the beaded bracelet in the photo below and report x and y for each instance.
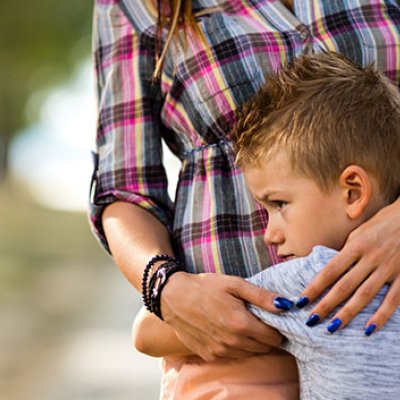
(146, 273)
(157, 284)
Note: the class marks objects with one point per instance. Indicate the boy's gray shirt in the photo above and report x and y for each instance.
(346, 365)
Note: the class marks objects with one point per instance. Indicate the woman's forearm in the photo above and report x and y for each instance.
(134, 237)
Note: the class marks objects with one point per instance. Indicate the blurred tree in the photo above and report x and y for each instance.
(40, 43)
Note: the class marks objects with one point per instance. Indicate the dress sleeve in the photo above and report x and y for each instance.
(128, 155)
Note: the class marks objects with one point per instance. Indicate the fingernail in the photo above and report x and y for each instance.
(313, 320)
(282, 303)
(370, 329)
(302, 302)
(334, 325)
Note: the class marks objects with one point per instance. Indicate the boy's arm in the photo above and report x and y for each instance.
(156, 338)
(288, 279)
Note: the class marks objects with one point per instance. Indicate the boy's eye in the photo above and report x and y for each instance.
(278, 203)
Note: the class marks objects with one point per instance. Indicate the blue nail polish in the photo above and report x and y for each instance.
(334, 325)
(370, 329)
(302, 302)
(313, 320)
(282, 303)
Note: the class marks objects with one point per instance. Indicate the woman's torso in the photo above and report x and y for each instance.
(217, 226)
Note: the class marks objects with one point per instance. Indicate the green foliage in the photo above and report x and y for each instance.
(40, 42)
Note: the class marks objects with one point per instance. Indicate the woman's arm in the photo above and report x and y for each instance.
(207, 311)
(369, 260)
(156, 338)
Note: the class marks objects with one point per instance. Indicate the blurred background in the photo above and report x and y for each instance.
(65, 309)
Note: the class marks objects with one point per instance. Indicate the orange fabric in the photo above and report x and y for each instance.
(272, 376)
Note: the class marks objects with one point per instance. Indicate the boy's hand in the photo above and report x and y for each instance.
(208, 314)
(369, 259)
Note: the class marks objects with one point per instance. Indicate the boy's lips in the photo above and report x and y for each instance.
(287, 257)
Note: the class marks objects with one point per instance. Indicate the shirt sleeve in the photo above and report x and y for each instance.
(288, 280)
(128, 155)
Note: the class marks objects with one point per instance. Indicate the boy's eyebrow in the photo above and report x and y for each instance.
(265, 196)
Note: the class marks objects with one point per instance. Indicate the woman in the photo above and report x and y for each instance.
(185, 88)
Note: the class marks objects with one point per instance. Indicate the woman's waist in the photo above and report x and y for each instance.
(187, 149)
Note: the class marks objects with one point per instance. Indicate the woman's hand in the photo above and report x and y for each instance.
(369, 259)
(208, 314)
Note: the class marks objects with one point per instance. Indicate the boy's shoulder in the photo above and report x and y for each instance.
(293, 274)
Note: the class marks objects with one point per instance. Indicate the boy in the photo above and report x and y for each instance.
(318, 147)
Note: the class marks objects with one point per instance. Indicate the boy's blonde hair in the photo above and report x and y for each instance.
(327, 113)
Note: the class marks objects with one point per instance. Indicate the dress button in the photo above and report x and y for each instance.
(303, 32)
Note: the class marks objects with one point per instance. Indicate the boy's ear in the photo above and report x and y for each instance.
(357, 187)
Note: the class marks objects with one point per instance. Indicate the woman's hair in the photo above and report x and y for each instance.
(326, 113)
(171, 13)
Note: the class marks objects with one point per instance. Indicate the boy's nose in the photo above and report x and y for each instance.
(273, 235)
